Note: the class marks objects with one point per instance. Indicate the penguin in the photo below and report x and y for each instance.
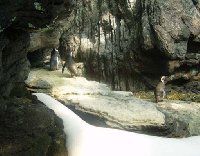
(54, 61)
(159, 91)
(70, 65)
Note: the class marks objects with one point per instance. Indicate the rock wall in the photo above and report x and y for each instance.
(130, 44)
(27, 127)
(127, 44)
(27, 26)
(98, 105)
(14, 66)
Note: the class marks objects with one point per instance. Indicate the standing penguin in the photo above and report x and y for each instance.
(54, 59)
(160, 90)
(70, 65)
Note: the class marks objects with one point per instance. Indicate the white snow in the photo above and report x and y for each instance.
(87, 140)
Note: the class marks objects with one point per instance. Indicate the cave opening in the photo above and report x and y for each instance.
(179, 82)
(193, 45)
(39, 58)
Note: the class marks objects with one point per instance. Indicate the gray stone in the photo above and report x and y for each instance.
(28, 128)
(120, 109)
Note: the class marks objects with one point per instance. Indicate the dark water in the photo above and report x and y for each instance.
(89, 118)
(100, 122)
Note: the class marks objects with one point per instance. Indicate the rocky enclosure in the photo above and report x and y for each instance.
(127, 44)
(118, 41)
(117, 109)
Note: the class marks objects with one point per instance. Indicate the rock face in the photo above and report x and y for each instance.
(121, 41)
(14, 66)
(118, 109)
(29, 128)
(173, 23)
(32, 15)
(23, 30)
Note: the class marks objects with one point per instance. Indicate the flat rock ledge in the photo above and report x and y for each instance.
(118, 109)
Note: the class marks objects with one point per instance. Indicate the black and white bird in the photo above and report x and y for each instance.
(159, 91)
(54, 61)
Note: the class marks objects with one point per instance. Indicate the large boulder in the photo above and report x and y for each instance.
(118, 109)
(14, 66)
(28, 128)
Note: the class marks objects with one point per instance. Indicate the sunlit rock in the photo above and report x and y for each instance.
(85, 140)
(119, 109)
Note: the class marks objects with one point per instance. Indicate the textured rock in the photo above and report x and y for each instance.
(29, 128)
(117, 108)
(131, 36)
(27, 26)
(36, 15)
(120, 109)
(185, 112)
(119, 42)
(14, 66)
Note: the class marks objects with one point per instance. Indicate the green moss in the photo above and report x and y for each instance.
(47, 29)
(144, 94)
(57, 148)
(38, 6)
(172, 95)
(24, 101)
(37, 146)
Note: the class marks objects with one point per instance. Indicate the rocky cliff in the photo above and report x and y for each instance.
(27, 127)
(127, 44)
(130, 44)
(27, 26)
